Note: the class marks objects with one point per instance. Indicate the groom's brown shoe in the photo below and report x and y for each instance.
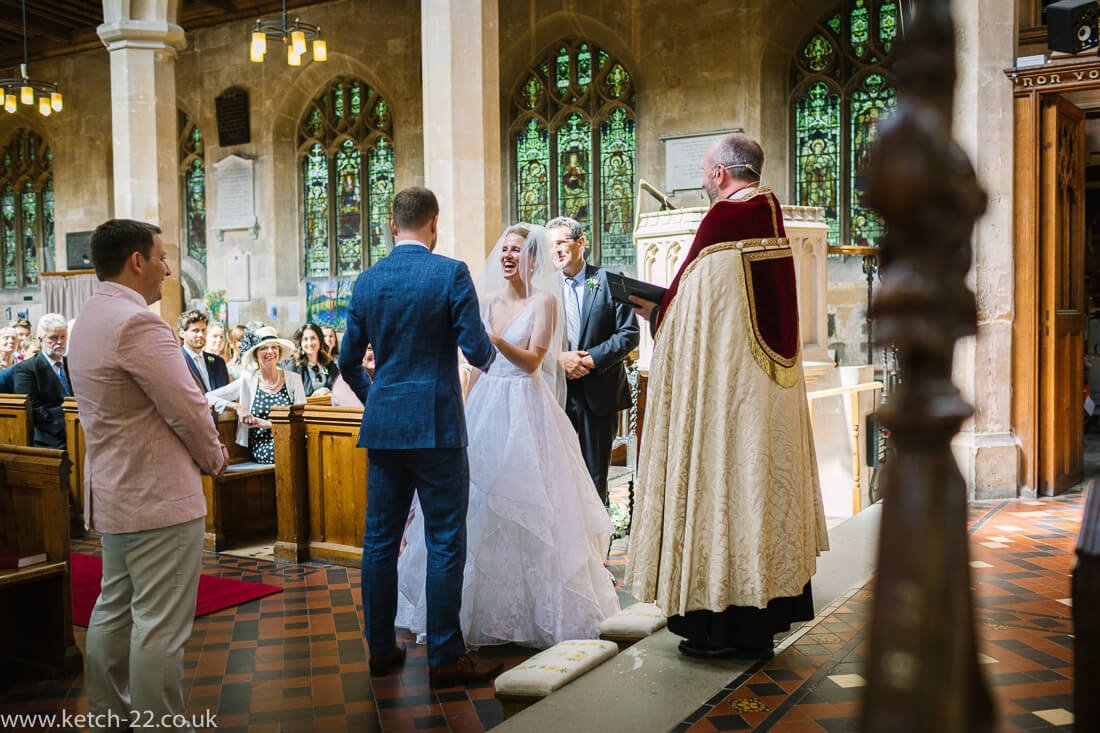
(381, 665)
(463, 670)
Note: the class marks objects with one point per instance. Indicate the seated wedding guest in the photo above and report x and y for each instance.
(45, 378)
(217, 342)
(342, 394)
(234, 338)
(262, 385)
(28, 348)
(22, 327)
(208, 369)
(332, 341)
(9, 340)
(313, 363)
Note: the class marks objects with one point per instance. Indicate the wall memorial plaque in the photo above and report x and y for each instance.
(78, 250)
(232, 112)
(684, 158)
(234, 198)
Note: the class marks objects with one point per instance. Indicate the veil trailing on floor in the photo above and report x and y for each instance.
(541, 280)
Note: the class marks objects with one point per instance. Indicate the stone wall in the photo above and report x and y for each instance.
(375, 40)
(79, 138)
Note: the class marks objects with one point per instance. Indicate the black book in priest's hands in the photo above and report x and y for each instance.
(622, 287)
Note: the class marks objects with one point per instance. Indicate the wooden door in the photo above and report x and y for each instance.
(1061, 296)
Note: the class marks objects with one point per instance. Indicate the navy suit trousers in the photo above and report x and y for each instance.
(441, 476)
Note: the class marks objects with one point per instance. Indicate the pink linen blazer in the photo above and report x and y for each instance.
(147, 429)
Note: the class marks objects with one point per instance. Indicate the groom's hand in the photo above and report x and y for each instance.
(576, 364)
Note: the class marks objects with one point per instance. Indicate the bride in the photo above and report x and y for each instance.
(536, 528)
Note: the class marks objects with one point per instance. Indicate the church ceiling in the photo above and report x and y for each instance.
(61, 27)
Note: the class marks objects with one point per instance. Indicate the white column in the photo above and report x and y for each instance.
(986, 447)
(461, 71)
(144, 121)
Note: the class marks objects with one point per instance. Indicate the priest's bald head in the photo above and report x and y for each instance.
(731, 163)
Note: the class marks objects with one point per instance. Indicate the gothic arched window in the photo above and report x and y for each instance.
(192, 168)
(345, 144)
(573, 138)
(842, 86)
(26, 210)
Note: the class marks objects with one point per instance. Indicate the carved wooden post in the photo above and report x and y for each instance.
(923, 670)
(291, 496)
(1086, 623)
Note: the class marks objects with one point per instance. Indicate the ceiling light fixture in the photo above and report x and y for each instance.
(26, 90)
(293, 34)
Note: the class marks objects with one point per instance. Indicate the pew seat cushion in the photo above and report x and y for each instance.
(633, 623)
(553, 668)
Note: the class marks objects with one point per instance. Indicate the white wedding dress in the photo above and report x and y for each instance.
(537, 532)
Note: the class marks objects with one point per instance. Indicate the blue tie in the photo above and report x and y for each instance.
(64, 382)
(572, 313)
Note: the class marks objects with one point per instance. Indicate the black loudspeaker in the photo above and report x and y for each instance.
(1072, 25)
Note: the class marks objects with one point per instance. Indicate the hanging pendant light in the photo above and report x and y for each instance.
(26, 89)
(295, 35)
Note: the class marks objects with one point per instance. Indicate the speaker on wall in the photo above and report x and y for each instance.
(1072, 25)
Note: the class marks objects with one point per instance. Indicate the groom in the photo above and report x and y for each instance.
(417, 309)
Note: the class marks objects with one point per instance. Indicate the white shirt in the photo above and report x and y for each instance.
(200, 365)
(412, 241)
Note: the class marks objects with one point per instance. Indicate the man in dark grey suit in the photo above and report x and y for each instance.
(600, 334)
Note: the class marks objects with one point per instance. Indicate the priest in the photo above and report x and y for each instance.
(728, 521)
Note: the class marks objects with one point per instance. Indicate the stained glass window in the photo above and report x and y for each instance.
(192, 168)
(380, 163)
(575, 149)
(843, 87)
(26, 210)
(533, 172)
(49, 248)
(11, 237)
(574, 177)
(346, 145)
(617, 189)
(871, 101)
(316, 209)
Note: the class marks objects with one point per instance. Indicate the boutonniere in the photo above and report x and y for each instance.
(592, 284)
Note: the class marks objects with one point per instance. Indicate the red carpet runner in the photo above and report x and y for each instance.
(214, 593)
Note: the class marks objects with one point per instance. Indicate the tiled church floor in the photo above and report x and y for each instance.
(295, 661)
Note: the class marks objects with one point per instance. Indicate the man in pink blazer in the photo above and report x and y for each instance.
(149, 437)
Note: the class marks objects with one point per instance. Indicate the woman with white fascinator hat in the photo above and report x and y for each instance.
(262, 385)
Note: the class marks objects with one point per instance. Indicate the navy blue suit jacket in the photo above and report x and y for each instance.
(7, 380)
(215, 369)
(417, 309)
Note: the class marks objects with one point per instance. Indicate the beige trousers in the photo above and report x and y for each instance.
(141, 624)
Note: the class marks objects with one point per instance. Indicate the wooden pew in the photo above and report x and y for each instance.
(321, 483)
(16, 420)
(74, 444)
(240, 504)
(36, 631)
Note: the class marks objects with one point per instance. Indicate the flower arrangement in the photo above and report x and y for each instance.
(592, 283)
(620, 519)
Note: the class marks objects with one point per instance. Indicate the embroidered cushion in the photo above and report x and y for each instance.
(633, 622)
(551, 669)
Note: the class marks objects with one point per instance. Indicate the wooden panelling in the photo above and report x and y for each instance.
(74, 442)
(15, 420)
(337, 480)
(36, 633)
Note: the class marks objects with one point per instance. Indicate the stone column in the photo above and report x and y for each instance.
(986, 447)
(143, 122)
(461, 80)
